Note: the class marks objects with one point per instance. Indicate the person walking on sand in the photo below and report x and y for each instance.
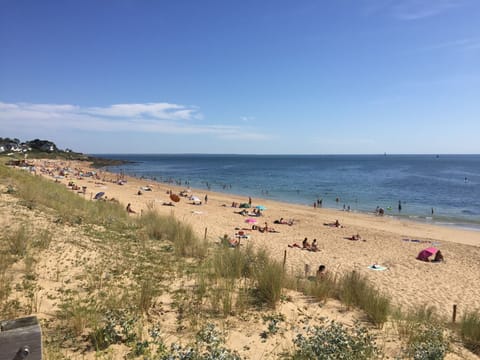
(206, 198)
(399, 205)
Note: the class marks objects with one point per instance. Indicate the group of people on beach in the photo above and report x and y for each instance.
(306, 245)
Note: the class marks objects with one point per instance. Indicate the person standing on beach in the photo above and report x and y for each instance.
(249, 201)
(206, 198)
(399, 205)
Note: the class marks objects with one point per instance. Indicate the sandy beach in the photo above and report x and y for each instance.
(386, 241)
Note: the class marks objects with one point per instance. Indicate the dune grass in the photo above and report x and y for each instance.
(354, 290)
(35, 191)
(470, 330)
(18, 240)
(186, 243)
(139, 252)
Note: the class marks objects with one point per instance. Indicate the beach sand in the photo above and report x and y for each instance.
(386, 241)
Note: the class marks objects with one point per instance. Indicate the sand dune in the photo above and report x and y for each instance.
(385, 240)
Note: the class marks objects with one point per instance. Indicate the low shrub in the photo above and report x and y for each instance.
(427, 343)
(334, 341)
(209, 345)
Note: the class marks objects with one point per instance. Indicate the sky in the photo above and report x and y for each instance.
(242, 77)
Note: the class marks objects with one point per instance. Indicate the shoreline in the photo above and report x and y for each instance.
(391, 242)
(310, 178)
(436, 220)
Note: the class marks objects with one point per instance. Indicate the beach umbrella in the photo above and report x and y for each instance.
(431, 250)
(250, 220)
(174, 197)
(261, 207)
(99, 195)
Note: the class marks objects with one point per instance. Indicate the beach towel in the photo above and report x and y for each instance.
(377, 267)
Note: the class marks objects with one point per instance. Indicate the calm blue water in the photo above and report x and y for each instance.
(450, 184)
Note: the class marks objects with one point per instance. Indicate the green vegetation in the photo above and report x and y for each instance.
(355, 290)
(470, 331)
(334, 341)
(128, 268)
(423, 334)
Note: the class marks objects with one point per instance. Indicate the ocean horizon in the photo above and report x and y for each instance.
(433, 188)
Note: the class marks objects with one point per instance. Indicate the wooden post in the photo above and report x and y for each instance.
(307, 270)
(284, 259)
(454, 315)
(20, 339)
(205, 236)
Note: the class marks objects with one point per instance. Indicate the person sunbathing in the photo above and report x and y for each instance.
(334, 224)
(314, 246)
(355, 237)
(267, 229)
(284, 222)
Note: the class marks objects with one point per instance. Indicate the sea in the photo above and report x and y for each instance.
(439, 189)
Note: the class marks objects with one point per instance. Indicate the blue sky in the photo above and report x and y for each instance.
(225, 76)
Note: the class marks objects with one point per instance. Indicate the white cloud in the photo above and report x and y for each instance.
(411, 9)
(162, 118)
(247, 118)
(161, 111)
(419, 9)
(460, 44)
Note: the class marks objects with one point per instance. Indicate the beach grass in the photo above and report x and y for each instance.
(269, 279)
(18, 240)
(159, 227)
(470, 330)
(138, 258)
(355, 290)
